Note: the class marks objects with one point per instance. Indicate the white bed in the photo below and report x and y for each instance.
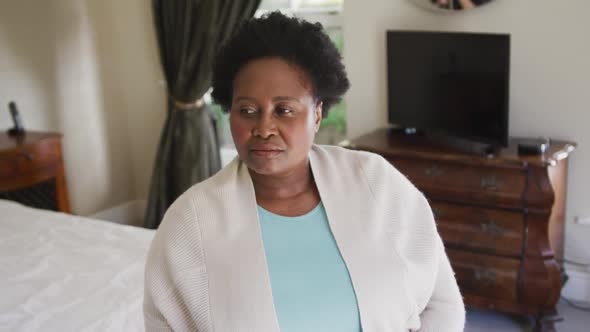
(61, 272)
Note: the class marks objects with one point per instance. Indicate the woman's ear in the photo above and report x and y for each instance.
(318, 115)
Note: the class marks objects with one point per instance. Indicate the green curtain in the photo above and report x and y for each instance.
(189, 32)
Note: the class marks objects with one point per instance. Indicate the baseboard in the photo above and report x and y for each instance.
(128, 213)
(578, 285)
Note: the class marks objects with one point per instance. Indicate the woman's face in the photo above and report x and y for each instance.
(273, 116)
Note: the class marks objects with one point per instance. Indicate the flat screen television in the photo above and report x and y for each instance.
(452, 83)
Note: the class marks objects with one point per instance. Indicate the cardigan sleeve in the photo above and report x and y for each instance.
(157, 290)
(158, 300)
(445, 310)
(431, 280)
(176, 293)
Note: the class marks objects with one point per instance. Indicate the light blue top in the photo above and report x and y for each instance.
(311, 287)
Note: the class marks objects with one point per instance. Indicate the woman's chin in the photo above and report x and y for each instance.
(265, 170)
(265, 167)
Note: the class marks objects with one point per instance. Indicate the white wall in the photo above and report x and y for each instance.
(90, 70)
(549, 92)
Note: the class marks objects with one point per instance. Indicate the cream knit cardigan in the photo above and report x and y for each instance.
(206, 268)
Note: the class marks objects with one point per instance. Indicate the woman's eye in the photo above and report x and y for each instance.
(247, 111)
(284, 111)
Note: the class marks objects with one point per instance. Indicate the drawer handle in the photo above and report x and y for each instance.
(490, 227)
(489, 183)
(485, 276)
(433, 171)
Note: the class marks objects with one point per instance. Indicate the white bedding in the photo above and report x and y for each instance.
(61, 272)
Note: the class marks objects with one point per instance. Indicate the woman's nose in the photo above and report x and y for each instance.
(265, 127)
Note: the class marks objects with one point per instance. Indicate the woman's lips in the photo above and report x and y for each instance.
(267, 152)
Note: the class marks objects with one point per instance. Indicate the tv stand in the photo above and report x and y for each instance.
(444, 141)
(464, 145)
(501, 218)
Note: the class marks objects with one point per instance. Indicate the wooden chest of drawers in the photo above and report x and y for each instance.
(32, 171)
(501, 217)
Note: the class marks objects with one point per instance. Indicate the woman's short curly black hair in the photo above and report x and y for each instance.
(296, 41)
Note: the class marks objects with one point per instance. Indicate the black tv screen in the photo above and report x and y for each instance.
(451, 83)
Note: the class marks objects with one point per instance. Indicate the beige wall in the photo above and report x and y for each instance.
(549, 92)
(88, 69)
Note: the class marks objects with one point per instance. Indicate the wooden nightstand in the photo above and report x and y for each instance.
(32, 171)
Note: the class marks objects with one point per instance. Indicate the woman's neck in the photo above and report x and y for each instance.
(284, 186)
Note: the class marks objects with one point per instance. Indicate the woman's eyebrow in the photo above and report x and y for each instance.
(277, 98)
(238, 98)
(280, 98)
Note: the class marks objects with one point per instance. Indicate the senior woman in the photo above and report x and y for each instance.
(292, 236)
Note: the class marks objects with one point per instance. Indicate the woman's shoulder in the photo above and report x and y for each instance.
(339, 152)
(179, 234)
(384, 181)
(343, 154)
(372, 165)
(183, 210)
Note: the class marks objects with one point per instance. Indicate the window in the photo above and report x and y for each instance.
(328, 13)
(299, 7)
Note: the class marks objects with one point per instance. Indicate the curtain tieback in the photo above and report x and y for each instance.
(188, 106)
